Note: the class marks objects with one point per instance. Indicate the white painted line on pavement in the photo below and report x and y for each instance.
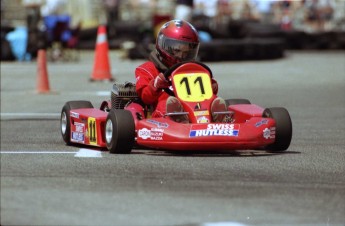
(82, 153)
(88, 153)
(103, 93)
(222, 224)
(38, 152)
(29, 115)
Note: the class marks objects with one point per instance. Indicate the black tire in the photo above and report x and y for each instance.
(65, 117)
(119, 131)
(283, 128)
(236, 101)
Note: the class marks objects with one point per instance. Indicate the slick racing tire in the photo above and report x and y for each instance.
(283, 130)
(236, 101)
(119, 131)
(65, 123)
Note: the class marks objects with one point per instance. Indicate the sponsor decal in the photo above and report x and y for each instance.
(77, 137)
(262, 122)
(201, 113)
(144, 133)
(158, 124)
(152, 134)
(157, 134)
(269, 133)
(79, 127)
(202, 119)
(78, 133)
(203, 130)
(74, 114)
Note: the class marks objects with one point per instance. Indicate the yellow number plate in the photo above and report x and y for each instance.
(193, 87)
(92, 130)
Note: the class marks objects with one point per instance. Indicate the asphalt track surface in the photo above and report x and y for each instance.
(45, 182)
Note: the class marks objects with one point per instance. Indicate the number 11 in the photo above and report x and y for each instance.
(198, 79)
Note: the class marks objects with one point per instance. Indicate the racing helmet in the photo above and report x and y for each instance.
(177, 41)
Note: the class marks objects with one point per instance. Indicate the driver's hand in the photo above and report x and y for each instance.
(214, 86)
(160, 82)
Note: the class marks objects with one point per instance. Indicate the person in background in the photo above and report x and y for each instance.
(33, 22)
(112, 13)
(184, 10)
(177, 41)
(208, 9)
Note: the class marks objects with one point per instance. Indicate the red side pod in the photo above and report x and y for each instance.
(87, 126)
(244, 112)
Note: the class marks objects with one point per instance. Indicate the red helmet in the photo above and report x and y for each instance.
(177, 41)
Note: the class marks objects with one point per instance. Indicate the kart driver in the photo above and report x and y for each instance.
(177, 41)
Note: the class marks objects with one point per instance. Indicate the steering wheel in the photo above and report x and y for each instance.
(168, 72)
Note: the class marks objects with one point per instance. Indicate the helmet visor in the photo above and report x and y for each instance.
(179, 50)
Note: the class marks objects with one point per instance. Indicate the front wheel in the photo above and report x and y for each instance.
(119, 131)
(283, 130)
(65, 123)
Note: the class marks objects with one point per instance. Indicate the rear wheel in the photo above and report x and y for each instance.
(120, 131)
(65, 123)
(236, 101)
(283, 132)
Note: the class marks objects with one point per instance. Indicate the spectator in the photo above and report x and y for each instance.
(264, 9)
(243, 10)
(53, 7)
(35, 39)
(325, 11)
(112, 14)
(207, 8)
(224, 12)
(319, 14)
(184, 10)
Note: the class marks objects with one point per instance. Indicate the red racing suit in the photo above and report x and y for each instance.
(145, 75)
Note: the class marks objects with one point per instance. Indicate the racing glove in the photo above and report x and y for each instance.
(214, 86)
(159, 82)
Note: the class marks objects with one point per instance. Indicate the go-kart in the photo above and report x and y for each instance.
(124, 121)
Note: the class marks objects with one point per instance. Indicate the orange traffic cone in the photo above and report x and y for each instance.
(42, 74)
(101, 69)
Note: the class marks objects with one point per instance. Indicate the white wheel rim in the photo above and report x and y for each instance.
(109, 131)
(63, 122)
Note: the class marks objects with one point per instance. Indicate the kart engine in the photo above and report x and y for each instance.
(123, 94)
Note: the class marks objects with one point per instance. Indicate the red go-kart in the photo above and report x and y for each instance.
(124, 121)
